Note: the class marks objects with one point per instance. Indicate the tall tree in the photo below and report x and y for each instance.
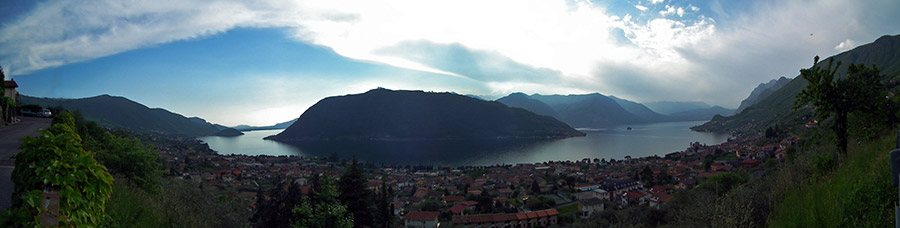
(860, 92)
(355, 195)
(385, 216)
(326, 212)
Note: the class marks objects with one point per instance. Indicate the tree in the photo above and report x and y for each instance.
(385, 216)
(646, 175)
(326, 212)
(860, 92)
(535, 188)
(355, 195)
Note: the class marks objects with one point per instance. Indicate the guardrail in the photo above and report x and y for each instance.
(895, 169)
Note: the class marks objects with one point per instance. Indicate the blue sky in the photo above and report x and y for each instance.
(232, 62)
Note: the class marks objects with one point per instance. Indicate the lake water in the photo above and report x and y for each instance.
(618, 142)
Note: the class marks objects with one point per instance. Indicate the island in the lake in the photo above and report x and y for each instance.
(401, 115)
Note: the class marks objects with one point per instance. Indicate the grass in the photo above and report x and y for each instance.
(178, 204)
(568, 209)
(857, 193)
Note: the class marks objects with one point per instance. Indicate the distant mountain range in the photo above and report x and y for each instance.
(120, 112)
(777, 107)
(282, 125)
(669, 107)
(598, 111)
(762, 91)
(383, 114)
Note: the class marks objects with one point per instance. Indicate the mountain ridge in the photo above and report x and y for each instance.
(884, 53)
(121, 112)
(382, 114)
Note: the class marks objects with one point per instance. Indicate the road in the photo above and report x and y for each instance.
(10, 139)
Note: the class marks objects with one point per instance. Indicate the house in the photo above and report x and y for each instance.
(421, 219)
(590, 206)
(749, 164)
(459, 208)
(634, 197)
(398, 207)
(658, 199)
(10, 89)
(542, 218)
(453, 199)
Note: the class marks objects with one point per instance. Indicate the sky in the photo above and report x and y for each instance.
(262, 62)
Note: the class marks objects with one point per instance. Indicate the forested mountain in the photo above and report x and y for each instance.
(762, 91)
(120, 112)
(884, 53)
(281, 125)
(383, 114)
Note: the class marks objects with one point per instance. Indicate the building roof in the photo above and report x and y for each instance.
(634, 194)
(451, 199)
(421, 216)
(10, 84)
(458, 208)
(493, 218)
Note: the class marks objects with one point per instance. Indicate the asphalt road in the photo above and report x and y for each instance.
(10, 139)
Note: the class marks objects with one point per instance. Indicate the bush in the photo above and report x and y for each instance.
(56, 161)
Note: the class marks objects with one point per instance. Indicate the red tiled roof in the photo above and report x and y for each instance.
(552, 212)
(304, 190)
(493, 218)
(634, 195)
(421, 216)
(10, 84)
(451, 199)
(456, 209)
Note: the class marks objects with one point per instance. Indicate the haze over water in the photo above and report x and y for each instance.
(642, 140)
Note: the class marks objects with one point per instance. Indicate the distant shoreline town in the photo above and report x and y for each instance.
(590, 183)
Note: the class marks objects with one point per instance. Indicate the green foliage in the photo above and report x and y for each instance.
(822, 163)
(176, 204)
(130, 158)
(327, 212)
(857, 193)
(723, 182)
(56, 161)
(122, 155)
(539, 203)
(355, 194)
(569, 209)
(860, 92)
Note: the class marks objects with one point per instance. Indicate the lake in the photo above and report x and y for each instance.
(618, 142)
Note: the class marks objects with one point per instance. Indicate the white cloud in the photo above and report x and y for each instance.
(640, 7)
(671, 10)
(684, 58)
(845, 45)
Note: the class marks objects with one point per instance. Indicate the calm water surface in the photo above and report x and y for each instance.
(618, 142)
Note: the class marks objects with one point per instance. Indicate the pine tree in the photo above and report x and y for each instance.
(355, 195)
(326, 213)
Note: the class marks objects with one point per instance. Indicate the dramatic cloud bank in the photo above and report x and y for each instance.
(656, 50)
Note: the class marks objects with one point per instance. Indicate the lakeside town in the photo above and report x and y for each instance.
(520, 195)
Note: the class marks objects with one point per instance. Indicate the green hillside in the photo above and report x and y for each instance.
(884, 53)
(120, 112)
(383, 114)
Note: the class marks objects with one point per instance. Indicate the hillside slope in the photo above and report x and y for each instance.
(120, 112)
(777, 108)
(762, 91)
(382, 114)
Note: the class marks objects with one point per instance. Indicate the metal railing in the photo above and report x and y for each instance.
(895, 169)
